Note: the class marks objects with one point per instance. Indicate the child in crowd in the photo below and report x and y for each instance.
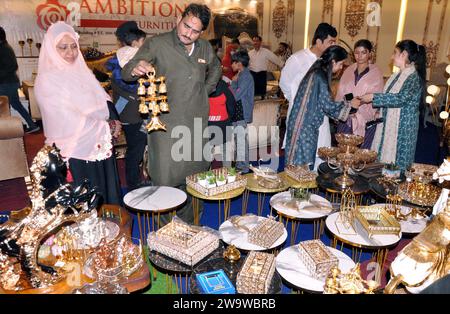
(242, 86)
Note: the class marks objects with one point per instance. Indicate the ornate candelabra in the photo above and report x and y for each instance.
(153, 98)
(21, 44)
(347, 156)
(30, 43)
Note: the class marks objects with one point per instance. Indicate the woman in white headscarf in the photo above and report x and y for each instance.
(75, 112)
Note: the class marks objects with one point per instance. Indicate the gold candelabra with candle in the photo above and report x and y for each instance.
(153, 98)
(22, 44)
(30, 43)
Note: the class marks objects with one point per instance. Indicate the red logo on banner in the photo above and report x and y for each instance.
(50, 12)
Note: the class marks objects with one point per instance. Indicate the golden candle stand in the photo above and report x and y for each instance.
(320, 209)
(153, 99)
(224, 198)
(334, 192)
(156, 200)
(358, 241)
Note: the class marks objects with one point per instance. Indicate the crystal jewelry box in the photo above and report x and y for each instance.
(317, 258)
(266, 233)
(376, 220)
(238, 181)
(256, 273)
(182, 242)
(300, 173)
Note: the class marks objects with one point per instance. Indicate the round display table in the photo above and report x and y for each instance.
(224, 198)
(237, 235)
(293, 270)
(358, 240)
(315, 210)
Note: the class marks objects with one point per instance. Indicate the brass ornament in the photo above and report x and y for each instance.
(347, 156)
(232, 254)
(426, 258)
(348, 283)
(153, 99)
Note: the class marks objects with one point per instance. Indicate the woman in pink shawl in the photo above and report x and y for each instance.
(75, 112)
(359, 79)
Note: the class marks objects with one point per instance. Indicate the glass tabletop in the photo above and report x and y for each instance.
(326, 181)
(231, 270)
(171, 265)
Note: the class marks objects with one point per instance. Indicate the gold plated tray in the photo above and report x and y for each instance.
(376, 220)
(419, 193)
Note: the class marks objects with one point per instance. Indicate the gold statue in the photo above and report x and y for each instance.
(55, 203)
(426, 259)
(153, 99)
(349, 283)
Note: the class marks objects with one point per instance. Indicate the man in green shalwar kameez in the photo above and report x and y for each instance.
(192, 71)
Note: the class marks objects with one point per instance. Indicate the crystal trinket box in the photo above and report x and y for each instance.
(300, 173)
(317, 258)
(266, 233)
(256, 273)
(182, 242)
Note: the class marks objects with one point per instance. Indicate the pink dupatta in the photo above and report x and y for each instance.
(372, 82)
(72, 102)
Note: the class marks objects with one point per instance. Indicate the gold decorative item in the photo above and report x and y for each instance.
(376, 220)
(347, 210)
(317, 258)
(20, 239)
(348, 283)
(30, 43)
(256, 273)
(22, 44)
(232, 254)
(419, 193)
(393, 206)
(347, 156)
(153, 99)
(110, 263)
(426, 258)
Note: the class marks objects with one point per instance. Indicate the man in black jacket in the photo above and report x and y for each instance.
(9, 81)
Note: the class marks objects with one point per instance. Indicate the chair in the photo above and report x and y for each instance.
(13, 159)
(265, 123)
(34, 106)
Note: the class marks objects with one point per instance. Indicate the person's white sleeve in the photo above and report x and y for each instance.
(274, 58)
(287, 75)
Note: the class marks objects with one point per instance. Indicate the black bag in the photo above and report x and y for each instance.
(239, 113)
